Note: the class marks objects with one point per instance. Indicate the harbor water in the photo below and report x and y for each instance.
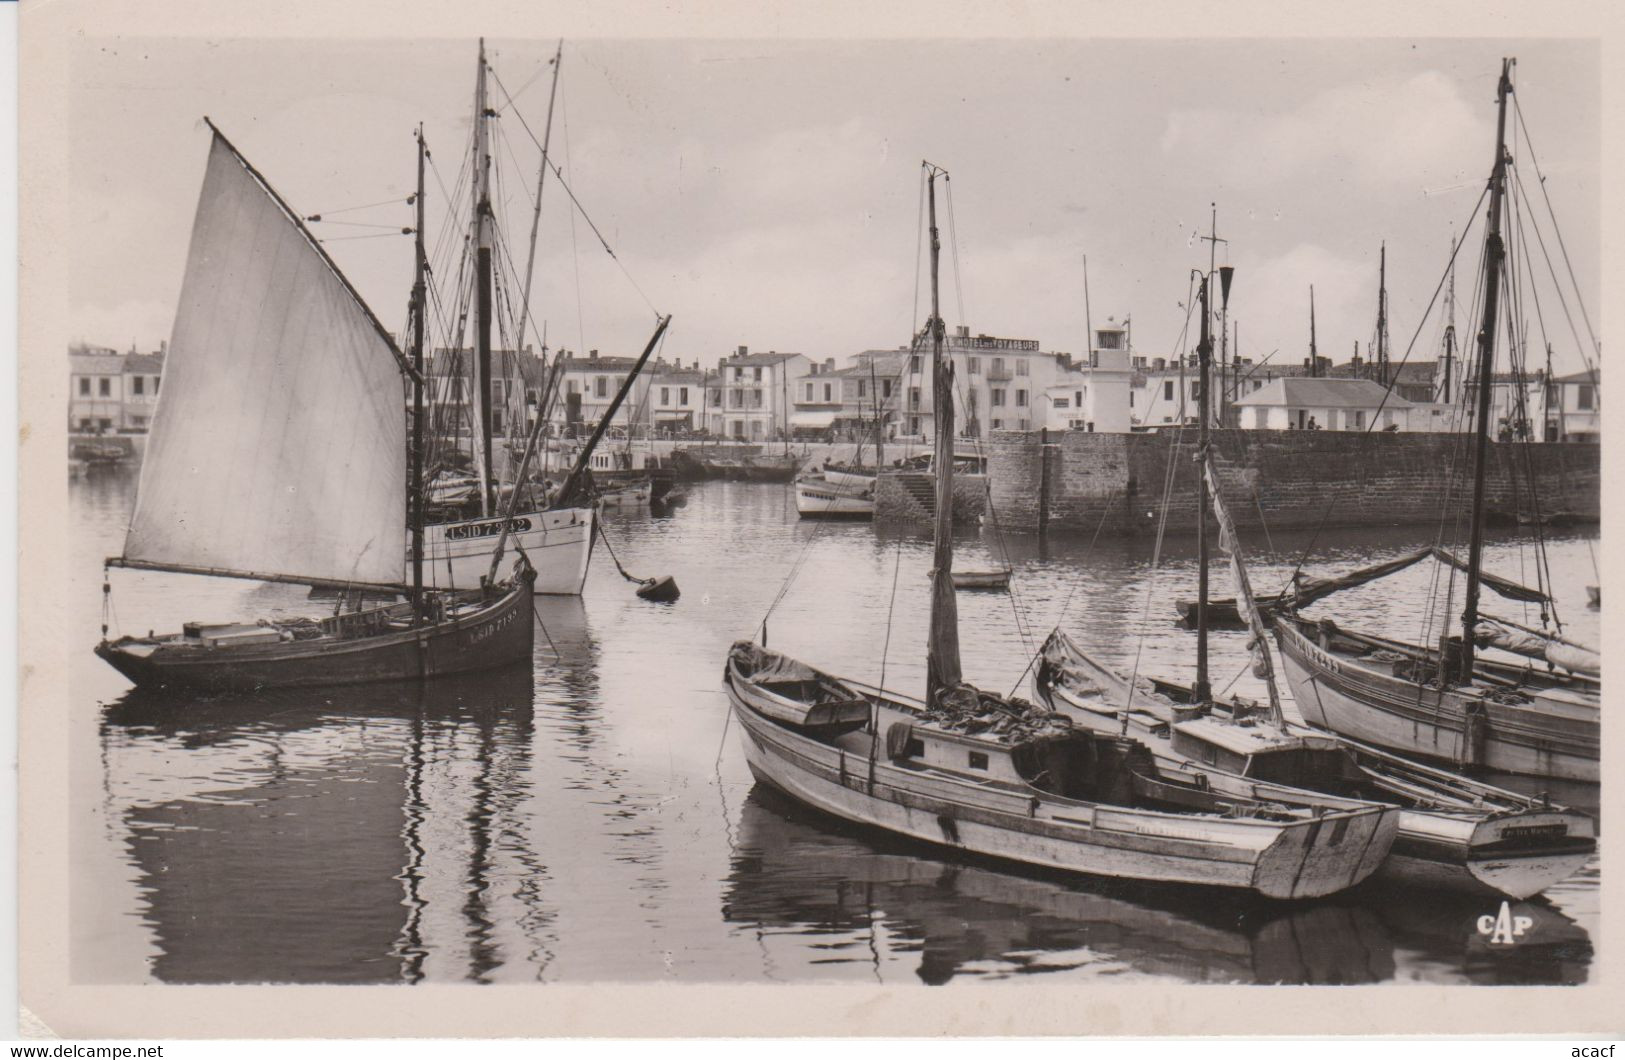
(593, 819)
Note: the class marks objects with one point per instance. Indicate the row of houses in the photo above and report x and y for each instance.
(111, 392)
(999, 384)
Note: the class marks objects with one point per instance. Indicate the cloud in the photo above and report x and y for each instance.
(1418, 131)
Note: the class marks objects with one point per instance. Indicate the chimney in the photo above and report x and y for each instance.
(963, 331)
(743, 350)
(592, 355)
(829, 364)
(1159, 363)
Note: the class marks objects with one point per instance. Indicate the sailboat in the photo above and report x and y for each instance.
(557, 533)
(1453, 833)
(996, 776)
(843, 491)
(1540, 718)
(279, 453)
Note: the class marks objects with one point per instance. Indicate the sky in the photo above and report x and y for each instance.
(768, 194)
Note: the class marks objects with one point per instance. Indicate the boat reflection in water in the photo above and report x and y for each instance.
(885, 906)
(370, 804)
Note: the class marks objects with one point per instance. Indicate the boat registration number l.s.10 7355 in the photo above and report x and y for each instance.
(465, 531)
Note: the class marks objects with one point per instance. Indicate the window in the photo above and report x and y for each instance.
(914, 363)
(826, 392)
(1196, 387)
(682, 395)
(998, 424)
(996, 398)
(975, 365)
(1080, 397)
(757, 373)
(665, 395)
(885, 388)
(716, 398)
(1131, 399)
(914, 399)
(496, 390)
(863, 388)
(1021, 367)
(138, 384)
(755, 399)
(105, 387)
(1587, 399)
(105, 424)
(601, 387)
(138, 421)
(998, 365)
(1168, 390)
(1356, 418)
(84, 386)
(1109, 340)
(809, 391)
(978, 760)
(738, 401)
(1021, 399)
(755, 428)
(84, 424)
(1063, 403)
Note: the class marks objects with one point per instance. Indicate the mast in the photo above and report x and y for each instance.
(1201, 692)
(415, 476)
(942, 651)
(482, 270)
(536, 218)
(1450, 323)
(1494, 251)
(874, 402)
(1382, 316)
(1314, 357)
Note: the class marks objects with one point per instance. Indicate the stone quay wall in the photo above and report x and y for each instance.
(1282, 479)
(899, 495)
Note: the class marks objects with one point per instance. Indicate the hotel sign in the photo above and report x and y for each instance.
(987, 342)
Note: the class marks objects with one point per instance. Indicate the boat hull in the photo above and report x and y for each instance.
(819, 500)
(1366, 701)
(1511, 852)
(498, 634)
(558, 544)
(852, 479)
(1299, 860)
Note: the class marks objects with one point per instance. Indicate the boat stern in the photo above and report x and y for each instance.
(1327, 854)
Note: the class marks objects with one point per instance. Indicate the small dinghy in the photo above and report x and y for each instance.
(981, 579)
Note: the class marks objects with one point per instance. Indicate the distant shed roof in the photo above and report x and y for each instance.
(1323, 393)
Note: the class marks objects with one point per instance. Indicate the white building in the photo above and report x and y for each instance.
(111, 392)
(1319, 403)
(752, 397)
(999, 384)
(675, 397)
(1568, 408)
(1094, 395)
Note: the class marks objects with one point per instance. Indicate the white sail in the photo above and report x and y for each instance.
(279, 442)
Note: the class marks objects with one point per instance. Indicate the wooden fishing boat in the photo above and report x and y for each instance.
(470, 631)
(1443, 701)
(1030, 788)
(853, 475)
(1003, 778)
(1508, 718)
(237, 386)
(982, 579)
(1454, 833)
(555, 532)
(817, 498)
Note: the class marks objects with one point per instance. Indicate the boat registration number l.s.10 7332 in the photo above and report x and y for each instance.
(465, 531)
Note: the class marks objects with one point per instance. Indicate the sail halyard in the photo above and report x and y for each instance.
(1494, 251)
(942, 652)
(279, 449)
(1202, 690)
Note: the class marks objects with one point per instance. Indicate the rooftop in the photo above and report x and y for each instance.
(1323, 393)
(745, 360)
(1581, 377)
